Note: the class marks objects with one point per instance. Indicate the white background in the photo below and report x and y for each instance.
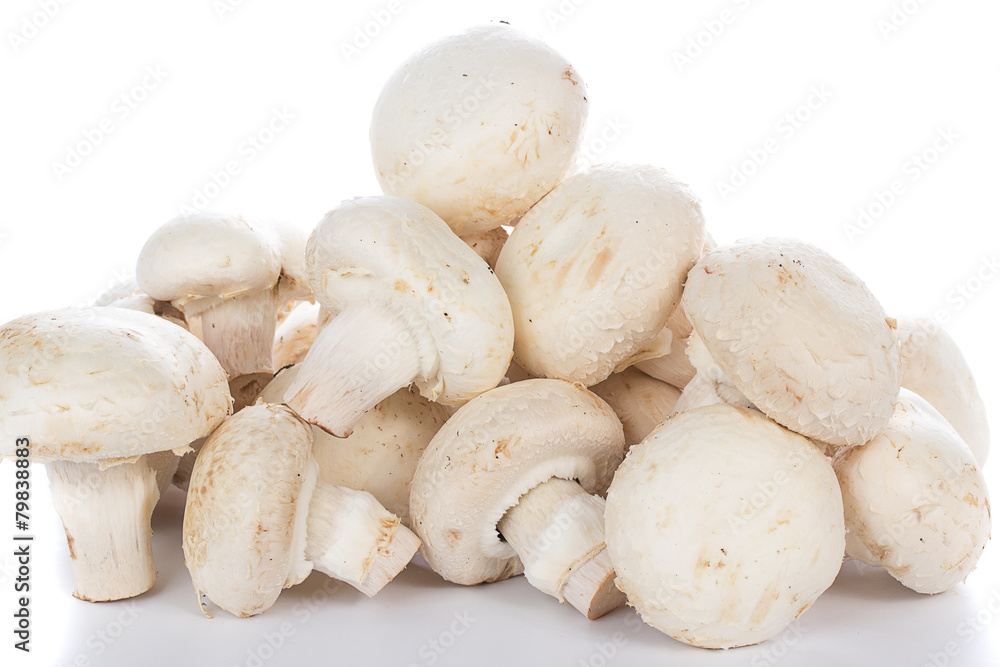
(889, 90)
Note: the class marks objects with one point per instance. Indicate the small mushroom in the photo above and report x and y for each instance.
(782, 326)
(381, 454)
(915, 500)
(507, 486)
(596, 267)
(935, 369)
(413, 304)
(94, 390)
(724, 527)
(229, 278)
(295, 335)
(641, 402)
(478, 126)
(258, 520)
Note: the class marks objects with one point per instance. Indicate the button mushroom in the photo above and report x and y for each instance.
(724, 527)
(596, 267)
(295, 335)
(478, 126)
(229, 278)
(781, 325)
(915, 500)
(381, 454)
(934, 368)
(413, 304)
(95, 389)
(641, 402)
(506, 486)
(258, 520)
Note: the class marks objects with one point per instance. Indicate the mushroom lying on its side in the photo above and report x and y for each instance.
(258, 520)
(505, 486)
(915, 500)
(381, 454)
(96, 391)
(724, 527)
(934, 369)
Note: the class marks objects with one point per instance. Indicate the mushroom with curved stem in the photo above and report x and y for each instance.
(595, 268)
(724, 527)
(935, 369)
(414, 305)
(295, 335)
(782, 326)
(915, 500)
(507, 485)
(258, 519)
(641, 402)
(97, 390)
(478, 126)
(381, 454)
(229, 277)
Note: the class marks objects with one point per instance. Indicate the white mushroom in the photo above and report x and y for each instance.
(295, 335)
(673, 368)
(505, 486)
(258, 520)
(488, 244)
(724, 527)
(641, 402)
(93, 390)
(414, 305)
(934, 368)
(381, 454)
(596, 267)
(478, 126)
(229, 278)
(915, 500)
(782, 326)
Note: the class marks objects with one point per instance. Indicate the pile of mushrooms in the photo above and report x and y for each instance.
(512, 367)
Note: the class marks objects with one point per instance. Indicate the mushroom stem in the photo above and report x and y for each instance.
(106, 514)
(240, 331)
(352, 538)
(364, 355)
(557, 529)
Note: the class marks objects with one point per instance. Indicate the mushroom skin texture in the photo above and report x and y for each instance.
(724, 527)
(381, 454)
(295, 335)
(915, 500)
(258, 520)
(230, 278)
(414, 305)
(641, 402)
(545, 444)
(98, 391)
(782, 326)
(493, 93)
(488, 244)
(673, 368)
(595, 268)
(935, 369)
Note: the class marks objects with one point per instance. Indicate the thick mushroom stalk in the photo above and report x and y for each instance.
(352, 538)
(106, 515)
(414, 304)
(557, 530)
(239, 330)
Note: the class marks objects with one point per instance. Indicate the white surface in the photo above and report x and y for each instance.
(224, 77)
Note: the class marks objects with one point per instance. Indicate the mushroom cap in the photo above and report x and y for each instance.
(492, 451)
(916, 503)
(799, 335)
(244, 521)
(208, 254)
(935, 369)
(723, 527)
(296, 334)
(400, 255)
(87, 384)
(478, 126)
(640, 401)
(488, 244)
(381, 454)
(596, 267)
